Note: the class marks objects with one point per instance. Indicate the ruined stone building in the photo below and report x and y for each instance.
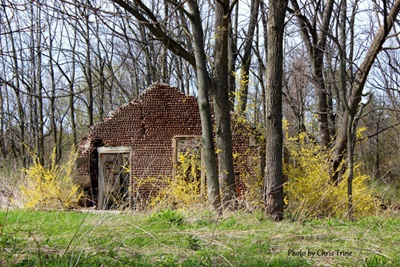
(142, 139)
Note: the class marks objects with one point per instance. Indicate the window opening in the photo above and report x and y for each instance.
(188, 160)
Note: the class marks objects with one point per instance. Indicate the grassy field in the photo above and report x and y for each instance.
(170, 238)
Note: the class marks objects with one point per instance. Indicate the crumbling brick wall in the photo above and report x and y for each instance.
(148, 125)
(249, 161)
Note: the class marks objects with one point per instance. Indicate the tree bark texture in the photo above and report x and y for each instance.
(203, 84)
(220, 96)
(274, 136)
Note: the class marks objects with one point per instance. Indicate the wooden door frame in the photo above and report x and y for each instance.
(111, 150)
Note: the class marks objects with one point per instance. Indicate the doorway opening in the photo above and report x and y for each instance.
(114, 178)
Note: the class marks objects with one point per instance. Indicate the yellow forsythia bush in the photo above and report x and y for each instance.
(183, 190)
(50, 187)
(309, 190)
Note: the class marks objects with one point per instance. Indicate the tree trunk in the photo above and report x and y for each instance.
(71, 83)
(274, 136)
(36, 82)
(54, 129)
(221, 106)
(233, 54)
(350, 165)
(246, 58)
(89, 71)
(203, 83)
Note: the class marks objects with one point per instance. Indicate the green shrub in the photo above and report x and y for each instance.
(170, 216)
(193, 242)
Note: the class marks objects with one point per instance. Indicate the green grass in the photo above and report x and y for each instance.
(171, 238)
